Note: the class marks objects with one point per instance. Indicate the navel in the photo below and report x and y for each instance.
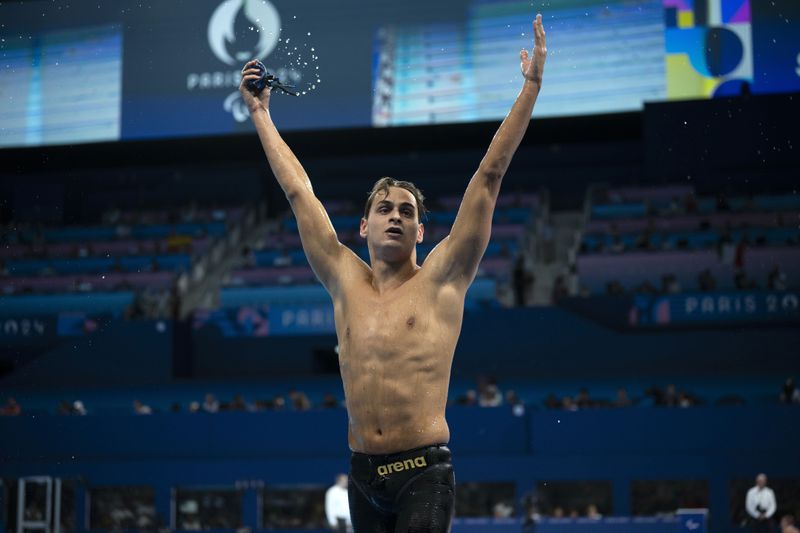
(347, 332)
(410, 322)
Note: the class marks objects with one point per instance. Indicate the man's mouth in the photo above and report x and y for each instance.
(396, 231)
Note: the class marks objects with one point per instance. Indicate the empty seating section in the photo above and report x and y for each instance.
(638, 236)
(127, 251)
(280, 260)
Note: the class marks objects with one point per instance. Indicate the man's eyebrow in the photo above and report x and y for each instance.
(403, 204)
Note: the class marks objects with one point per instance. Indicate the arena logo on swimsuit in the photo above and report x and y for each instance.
(399, 466)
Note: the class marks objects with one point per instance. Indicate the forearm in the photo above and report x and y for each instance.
(287, 169)
(509, 135)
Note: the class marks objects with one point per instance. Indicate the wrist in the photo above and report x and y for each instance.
(532, 85)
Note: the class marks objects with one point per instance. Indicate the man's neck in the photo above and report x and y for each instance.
(387, 276)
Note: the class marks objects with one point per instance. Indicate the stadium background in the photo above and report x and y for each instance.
(147, 254)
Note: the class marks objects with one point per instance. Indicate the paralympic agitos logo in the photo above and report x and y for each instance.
(238, 30)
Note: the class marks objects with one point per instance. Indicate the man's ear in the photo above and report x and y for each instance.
(420, 232)
(362, 228)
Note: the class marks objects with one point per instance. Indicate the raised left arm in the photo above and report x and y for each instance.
(457, 257)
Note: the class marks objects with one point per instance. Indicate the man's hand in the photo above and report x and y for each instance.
(251, 73)
(532, 69)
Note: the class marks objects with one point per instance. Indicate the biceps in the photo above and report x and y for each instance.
(320, 243)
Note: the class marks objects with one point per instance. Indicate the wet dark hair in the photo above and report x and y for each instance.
(383, 184)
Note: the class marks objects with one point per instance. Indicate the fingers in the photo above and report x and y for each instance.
(250, 64)
(538, 31)
(523, 54)
(251, 71)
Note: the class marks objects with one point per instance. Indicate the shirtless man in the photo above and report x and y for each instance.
(397, 322)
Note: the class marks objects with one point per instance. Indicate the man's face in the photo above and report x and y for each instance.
(392, 226)
(761, 480)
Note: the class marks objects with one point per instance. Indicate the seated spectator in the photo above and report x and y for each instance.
(670, 284)
(551, 402)
(582, 400)
(517, 406)
(468, 398)
(614, 288)
(283, 260)
(592, 512)
(300, 401)
(790, 393)
(742, 282)
(568, 404)
(78, 408)
(64, 408)
(210, 405)
(622, 398)
(776, 280)
(490, 396)
(787, 524)
(706, 281)
(645, 288)
(329, 401)
(11, 408)
(239, 404)
(141, 409)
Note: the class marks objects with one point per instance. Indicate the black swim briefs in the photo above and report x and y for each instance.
(405, 492)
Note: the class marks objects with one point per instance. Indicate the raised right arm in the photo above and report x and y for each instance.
(321, 245)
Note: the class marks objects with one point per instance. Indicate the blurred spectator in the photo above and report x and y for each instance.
(684, 400)
(592, 512)
(760, 504)
(278, 403)
(617, 246)
(78, 408)
(283, 260)
(670, 398)
(502, 510)
(741, 250)
(141, 409)
(787, 524)
(210, 404)
(551, 402)
(742, 282)
(64, 408)
(582, 400)
(645, 287)
(300, 401)
(622, 398)
(337, 509)
(670, 284)
(194, 407)
(490, 396)
(329, 401)
(558, 512)
(517, 406)
(239, 404)
(706, 281)
(11, 408)
(726, 248)
(468, 398)
(560, 289)
(523, 280)
(614, 288)
(776, 280)
(189, 516)
(790, 393)
(568, 404)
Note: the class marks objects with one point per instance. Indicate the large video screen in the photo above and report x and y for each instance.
(124, 69)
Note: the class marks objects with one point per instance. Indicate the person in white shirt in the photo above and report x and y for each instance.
(760, 504)
(337, 506)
